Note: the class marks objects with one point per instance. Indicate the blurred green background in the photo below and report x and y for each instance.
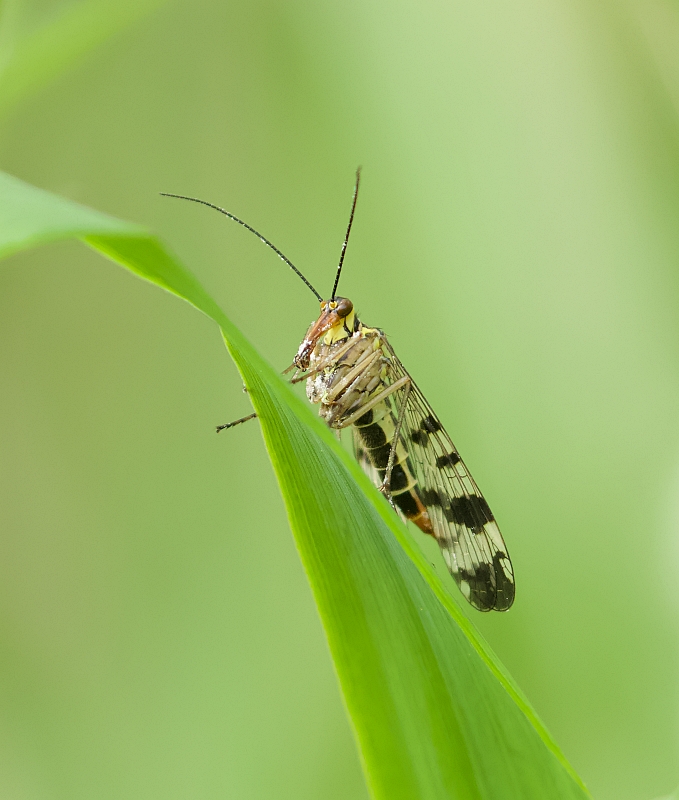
(517, 236)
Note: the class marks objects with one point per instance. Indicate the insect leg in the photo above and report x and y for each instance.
(320, 367)
(346, 421)
(361, 365)
(236, 422)
(384, 488)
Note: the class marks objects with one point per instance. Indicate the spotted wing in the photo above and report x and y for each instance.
(463, 524)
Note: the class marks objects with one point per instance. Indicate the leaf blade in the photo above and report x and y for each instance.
(434, 712)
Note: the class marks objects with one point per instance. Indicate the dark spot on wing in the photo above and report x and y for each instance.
(482, 594)
(431, 424)
(490, 585)
(503, 581)
(428, 425)
(430, 497)
(485, 508)
(472, 512)
(479, 578)
(448, 460)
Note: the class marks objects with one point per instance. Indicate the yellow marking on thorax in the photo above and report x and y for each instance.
(338, 332)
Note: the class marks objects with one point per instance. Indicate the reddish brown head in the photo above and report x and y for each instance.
(336, 322)
(337, 319)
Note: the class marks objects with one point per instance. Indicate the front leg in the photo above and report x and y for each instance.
(236, 422)
(326, 362)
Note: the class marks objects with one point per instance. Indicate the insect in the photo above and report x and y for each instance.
(355, 376)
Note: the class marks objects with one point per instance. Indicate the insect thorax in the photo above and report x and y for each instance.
(349, 379)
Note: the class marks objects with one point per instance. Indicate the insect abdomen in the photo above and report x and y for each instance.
(376, 429)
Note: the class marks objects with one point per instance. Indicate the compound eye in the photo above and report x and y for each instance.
(344, 307)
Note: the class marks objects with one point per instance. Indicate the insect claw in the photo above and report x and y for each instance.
(391, 503)
(384, 489)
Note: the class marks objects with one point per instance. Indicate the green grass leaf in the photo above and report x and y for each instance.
(435, 714)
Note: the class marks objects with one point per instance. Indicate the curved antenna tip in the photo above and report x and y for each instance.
(249, 228)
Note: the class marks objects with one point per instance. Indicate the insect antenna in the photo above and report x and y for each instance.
(257, 234)
(346, 238)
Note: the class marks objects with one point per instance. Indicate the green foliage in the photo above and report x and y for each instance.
(434, 712)
(33, 52)
(517, 237)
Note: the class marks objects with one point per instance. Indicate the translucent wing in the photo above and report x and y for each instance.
(463, 524)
